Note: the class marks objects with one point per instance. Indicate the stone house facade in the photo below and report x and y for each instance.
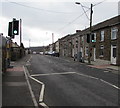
(65, 46)
(57, 49)
(108, 40)
(106, 44)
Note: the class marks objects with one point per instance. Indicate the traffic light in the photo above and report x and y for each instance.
(15, 28)
(10, 29)
(93, 37)
(88, 38)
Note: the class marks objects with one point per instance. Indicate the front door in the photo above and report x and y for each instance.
(113, 54)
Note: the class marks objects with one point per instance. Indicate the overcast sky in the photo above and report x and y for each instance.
(41, 18)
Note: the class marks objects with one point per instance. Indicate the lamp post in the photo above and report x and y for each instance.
(29, 43)
(52, 41)
(91, 12)
(89, 54)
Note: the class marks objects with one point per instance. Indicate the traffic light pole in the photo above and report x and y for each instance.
(89, 54)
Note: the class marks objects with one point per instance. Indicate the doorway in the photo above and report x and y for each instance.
(113, 54)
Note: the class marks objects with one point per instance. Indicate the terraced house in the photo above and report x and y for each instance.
(105, 45)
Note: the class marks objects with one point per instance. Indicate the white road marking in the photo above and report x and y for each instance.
(30, 89)
(29, 59)
(42, 93)
(77, 74)
(44, 105)
(110, 84)
(87, 76)
(63, 73)
(99, 79)
(106, 71)
(42, 89)
(36, 80)
(28, 64)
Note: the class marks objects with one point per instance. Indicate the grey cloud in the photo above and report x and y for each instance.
(51, 21)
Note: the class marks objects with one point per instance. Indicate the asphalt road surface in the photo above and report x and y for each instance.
(59, 82)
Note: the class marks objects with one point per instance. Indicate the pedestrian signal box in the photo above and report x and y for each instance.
(10, 29)
(88, 38)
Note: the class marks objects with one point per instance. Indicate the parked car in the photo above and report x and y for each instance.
(34, 52)
(56, 54)
(50, 53)
(41, 53)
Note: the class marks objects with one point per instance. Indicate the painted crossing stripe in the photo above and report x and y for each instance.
(63, 73)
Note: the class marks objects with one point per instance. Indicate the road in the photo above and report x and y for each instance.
(62, 82)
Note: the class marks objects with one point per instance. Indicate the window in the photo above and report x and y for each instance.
(76, 40)
(95, 37)
(101, 50)
(114, 33)
(102, 36)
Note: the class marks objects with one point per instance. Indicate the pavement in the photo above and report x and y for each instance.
(102, 64)
(99, 64)
(15, 89)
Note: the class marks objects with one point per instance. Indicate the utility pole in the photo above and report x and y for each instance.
(20, 31)
(29, 43)
(90, 35)
(52, 41)
(89, 54)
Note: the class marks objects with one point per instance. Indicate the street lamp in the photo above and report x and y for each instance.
(81, 5)
(77, 3)
(91, 12)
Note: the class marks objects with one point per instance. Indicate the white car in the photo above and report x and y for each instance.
(41, 53)
(34, 52)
